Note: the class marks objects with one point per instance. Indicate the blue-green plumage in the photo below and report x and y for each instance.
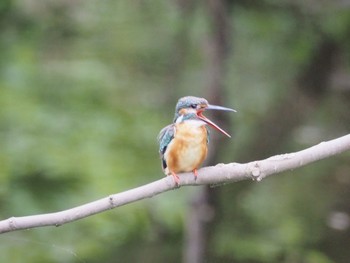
(164, 138)
(188, 102)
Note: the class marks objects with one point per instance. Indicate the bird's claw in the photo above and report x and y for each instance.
(176, 179)
(195, 172)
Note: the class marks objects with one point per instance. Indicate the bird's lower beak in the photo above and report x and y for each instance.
(205, 119)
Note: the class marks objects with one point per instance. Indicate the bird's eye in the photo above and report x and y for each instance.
(193, 106)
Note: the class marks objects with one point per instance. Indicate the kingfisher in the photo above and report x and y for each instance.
(183, 145)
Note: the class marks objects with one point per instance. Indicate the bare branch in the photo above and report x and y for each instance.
(219, 174)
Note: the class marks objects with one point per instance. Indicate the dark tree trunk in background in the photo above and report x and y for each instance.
(203, 206)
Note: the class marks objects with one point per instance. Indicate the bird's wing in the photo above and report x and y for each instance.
(164, 138)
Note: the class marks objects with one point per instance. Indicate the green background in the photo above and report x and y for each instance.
(85, 87)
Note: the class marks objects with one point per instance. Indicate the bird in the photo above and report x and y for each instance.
(183, 145)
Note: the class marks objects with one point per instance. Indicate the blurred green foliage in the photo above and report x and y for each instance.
(85, 86)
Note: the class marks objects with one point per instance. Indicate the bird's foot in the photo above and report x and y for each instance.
(195, 172)
(176, 179)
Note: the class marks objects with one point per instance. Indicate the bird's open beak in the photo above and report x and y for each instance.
(205, 119)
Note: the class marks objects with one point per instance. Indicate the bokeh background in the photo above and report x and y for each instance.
(85, 87)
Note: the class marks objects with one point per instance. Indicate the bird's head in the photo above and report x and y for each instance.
(194, 107)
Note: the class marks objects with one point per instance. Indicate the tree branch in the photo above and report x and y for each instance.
(213, 175)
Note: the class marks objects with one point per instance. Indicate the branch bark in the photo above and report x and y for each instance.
(212, 175)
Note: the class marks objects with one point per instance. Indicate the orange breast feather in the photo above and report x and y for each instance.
(188, 149)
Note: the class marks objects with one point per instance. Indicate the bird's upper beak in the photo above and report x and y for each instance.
(205, 119)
